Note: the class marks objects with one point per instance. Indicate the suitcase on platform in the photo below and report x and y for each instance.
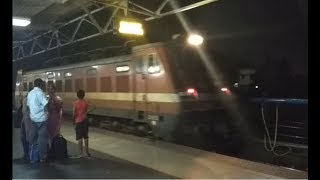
(59, 148)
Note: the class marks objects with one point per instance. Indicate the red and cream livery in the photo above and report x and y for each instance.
(159, 87)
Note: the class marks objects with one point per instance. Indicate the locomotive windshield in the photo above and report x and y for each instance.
(189, 69)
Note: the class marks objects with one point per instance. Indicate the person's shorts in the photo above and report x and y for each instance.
(82, 130)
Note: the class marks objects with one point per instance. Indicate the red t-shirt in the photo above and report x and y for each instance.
(81, 107)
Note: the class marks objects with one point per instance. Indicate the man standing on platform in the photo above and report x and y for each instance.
(37, 104)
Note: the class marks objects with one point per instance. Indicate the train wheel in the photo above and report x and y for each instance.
(115, 125)
(142, 129)
(94, 122)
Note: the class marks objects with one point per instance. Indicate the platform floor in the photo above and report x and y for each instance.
(119, 155)
(99, 166)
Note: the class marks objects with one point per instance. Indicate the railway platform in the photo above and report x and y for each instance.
(99, 166)
(117, 155)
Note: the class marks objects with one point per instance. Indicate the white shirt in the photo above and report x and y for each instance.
(37, 101)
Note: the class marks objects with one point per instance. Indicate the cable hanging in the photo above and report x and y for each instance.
(272, 147)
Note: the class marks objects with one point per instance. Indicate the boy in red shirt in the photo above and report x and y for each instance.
(80, 111)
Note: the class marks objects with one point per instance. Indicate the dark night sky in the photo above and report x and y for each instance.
(243, 32)
(250, 30)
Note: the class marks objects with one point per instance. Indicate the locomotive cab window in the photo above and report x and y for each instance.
(25, 86)
(30, 85)
(59, 85)
(140, 65)
(68, 85)
(153, 64)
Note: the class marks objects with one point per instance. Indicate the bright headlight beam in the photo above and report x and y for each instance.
(20, 21)
(195, 39)
(212, 70)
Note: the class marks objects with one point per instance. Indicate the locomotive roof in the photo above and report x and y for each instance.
(83, 64)
(136, 48)
(98, 61)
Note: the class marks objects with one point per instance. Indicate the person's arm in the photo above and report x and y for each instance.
(28, 107)
(61, 115)
(60, 119)
(24, 107)
(61, 109)
(91, 107)
(27, 101)
(74, 114)
(43, 100)
(57, 102)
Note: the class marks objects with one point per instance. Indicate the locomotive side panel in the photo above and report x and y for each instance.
(149, 87)
(25, 83)
(72, 80)
(152, 85)
(107, 86)
(155, 101)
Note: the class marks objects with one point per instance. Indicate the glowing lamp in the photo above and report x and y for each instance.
(20, 21)
(131, 27)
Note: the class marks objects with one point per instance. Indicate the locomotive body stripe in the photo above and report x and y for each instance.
(140, 97)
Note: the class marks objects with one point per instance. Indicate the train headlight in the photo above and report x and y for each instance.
(195, 39)
(153, 69)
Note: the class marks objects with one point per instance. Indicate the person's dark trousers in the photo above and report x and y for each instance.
(39, 135)
(24, 141)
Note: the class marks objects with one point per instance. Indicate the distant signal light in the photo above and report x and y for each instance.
(226, 90)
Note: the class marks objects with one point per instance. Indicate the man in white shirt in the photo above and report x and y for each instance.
(37, 104)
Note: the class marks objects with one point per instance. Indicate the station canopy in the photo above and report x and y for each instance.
(57, 30)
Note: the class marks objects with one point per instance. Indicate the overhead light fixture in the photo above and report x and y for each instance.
(20, 21)
(130, 27)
